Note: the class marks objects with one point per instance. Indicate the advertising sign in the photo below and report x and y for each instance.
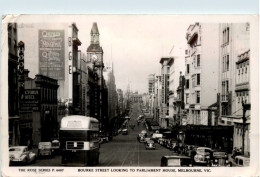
(30, 100)
(51, 53)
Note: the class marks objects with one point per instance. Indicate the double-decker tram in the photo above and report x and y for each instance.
(79, 138)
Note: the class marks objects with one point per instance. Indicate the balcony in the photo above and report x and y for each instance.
(242, 87)
(193, 32)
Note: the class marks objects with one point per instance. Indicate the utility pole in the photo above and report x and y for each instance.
(245, 108)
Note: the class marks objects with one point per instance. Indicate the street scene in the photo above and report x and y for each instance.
(123, 91)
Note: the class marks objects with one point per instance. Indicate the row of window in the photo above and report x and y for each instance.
(225, 36)
(196, 63)
(225, 63)
(197, 94)
(195, 81)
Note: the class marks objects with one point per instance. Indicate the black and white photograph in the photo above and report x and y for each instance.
(134, 94)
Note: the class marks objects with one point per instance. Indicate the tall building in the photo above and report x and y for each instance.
(151, 83)
(112, 93)
(234, 83)
(55, 56)
(13, 99)
(38, 110)
(201, 74)
(95, 56)
(165, 71)
(176, 65)
(157, 97)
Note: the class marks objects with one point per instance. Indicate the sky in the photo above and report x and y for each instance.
(133, 43)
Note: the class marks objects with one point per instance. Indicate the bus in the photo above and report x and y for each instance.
(79, 140)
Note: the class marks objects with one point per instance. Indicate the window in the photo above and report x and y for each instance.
(227, 62)
(223, 65)
(198, 96)
(187, 98)
(198, 79)
(227, 35)
(198, 60)
(193, 82)
(187, 84)
(188, 68)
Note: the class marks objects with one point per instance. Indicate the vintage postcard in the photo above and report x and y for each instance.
(130, 95)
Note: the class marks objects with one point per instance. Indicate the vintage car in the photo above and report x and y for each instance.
(172, 145)
(156, 136)
(144, 132)
(160, 141)
(176, 161)
(20, 154)
(149, 144)
(45, 149)
(203, 156)
(124, 132)
(241, 161)
(220, 158)
(142, 139)
(55, 145)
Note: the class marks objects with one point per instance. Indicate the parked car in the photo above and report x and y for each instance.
(173, 144)
(203, 156)
(147, 139)
(156, 136)
(220, 158)
(241, 161)
(124, 132)
(160, 141)
(149, 144)
(20, 154)
(142, 139)
(176, 161)
(44, 149)
(55, 145)
(144, 132)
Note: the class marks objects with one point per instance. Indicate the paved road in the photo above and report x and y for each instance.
(123, 150)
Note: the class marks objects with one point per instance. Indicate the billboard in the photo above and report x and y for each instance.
(51, 53)
(30, 101)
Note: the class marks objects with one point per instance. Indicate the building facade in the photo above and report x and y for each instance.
(39, 110)
(13, 97)
(95, 56)
(164, 111)
(201, 64)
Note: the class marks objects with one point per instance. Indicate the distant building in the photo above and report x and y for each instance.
(179, 116)
(120, 101)
(165, 71)
(109, 77)
(157, 97)
(151, 83)
(201, 73)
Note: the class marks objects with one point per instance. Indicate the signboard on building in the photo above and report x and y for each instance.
(30, 100)
(51, 53)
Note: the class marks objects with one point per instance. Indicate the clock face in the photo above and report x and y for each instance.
(94, 57)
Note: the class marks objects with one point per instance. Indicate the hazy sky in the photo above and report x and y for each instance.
(134, 43)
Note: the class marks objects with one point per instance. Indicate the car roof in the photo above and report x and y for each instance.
(242, 157)
(204, 148)
(176, 156)
(17, 147)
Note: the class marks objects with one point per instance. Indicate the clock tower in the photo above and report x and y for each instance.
(95, 56)
(95, 51)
